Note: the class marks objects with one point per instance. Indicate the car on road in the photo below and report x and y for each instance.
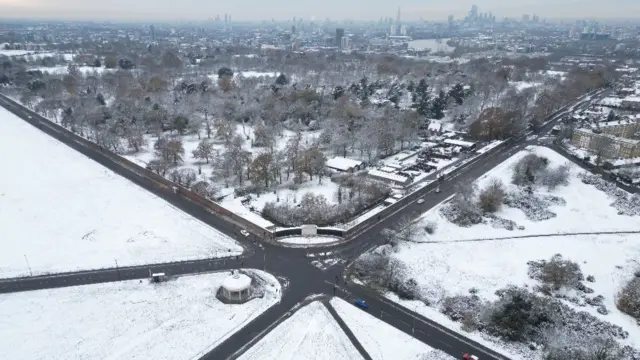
(244, 233)
(469, 357)
(438, 189)
(361, 304)
(420, 201)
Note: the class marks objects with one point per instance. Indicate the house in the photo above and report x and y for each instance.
(344, 165)
(631, 103)
(465, 145)
(391, 178)
(435, 128)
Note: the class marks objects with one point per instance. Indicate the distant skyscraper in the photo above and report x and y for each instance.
(345, 43)
(398, 17)
(153, 33)
(473, 13)
(339, 36)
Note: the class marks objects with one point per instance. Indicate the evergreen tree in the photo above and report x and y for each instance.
(457, 93)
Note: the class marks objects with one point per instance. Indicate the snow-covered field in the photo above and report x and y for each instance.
(61, 211)
(178, 319)
(310, 333)
(451, 263)
(587, 208)
(447, 269)
(381, 340)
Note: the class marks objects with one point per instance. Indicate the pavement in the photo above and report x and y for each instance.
(292, 264)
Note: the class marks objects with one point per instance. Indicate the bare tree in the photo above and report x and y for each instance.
(204, 150)
(603, 148)
(492, 196)
(261, 169)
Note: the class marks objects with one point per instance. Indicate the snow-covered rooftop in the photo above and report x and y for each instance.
(458, 143)
(236, 282)
(389, 176)
(343, 164)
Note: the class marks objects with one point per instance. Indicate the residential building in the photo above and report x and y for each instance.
(623, 128)
(622, 147)
(631, 103)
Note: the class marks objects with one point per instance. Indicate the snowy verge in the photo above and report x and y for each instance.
(309, 334)
(309, 240)
(381, 340)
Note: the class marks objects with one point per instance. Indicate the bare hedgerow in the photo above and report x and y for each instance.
(554, 177)
(526, 171)
(629, 298)
(491, 197)
(463, 209)
(556, 273)
(430, 227)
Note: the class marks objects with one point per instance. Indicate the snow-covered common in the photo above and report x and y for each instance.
(61, 211)
(174, 320)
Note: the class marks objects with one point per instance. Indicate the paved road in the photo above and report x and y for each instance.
(304, 279)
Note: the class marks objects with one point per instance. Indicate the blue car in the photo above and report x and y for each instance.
(361, 304)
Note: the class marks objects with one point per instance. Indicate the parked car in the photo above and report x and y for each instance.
(361, 304)
(244, 233)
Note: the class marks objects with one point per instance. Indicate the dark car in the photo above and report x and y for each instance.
(361, 304)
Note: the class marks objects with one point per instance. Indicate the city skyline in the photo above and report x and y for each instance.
(252, 10)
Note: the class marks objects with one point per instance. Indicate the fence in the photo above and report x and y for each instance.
(138, 174)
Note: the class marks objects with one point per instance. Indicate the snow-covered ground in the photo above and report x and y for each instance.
(434, 45)
(309, 240)
(451, 263)
(587, 208)
(310, 333)
(521, 85)
(61, 211)
(381, 340)
(178, 319)
(85, 70)
(448, 269)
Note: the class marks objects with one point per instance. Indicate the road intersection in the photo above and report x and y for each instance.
(293, 264)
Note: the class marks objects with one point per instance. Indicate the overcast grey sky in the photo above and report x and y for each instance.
(306, 9)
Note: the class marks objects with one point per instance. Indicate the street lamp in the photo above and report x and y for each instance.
(117, 268)
(28, 265)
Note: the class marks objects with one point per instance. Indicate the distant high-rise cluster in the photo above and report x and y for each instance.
(396, 27)
(476, 16)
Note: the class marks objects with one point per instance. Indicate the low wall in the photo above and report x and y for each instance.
(297, 231)
(137, 173)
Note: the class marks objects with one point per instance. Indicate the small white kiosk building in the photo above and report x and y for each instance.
(236, 287)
